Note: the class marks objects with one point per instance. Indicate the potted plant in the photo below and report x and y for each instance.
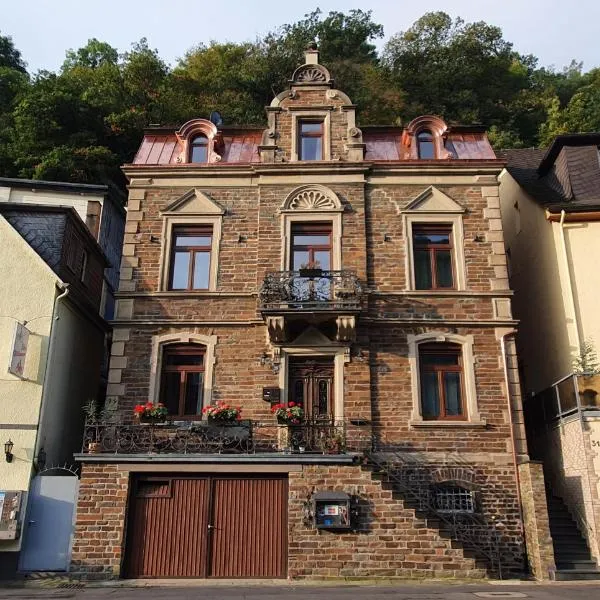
(311, 269)
(292, 414)
(222, 412)
(150, 412)
(90, 410)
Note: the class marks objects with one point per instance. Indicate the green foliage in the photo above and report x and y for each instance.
(81, 123)
(585, 362)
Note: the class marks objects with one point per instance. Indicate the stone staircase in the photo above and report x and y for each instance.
(571, 552)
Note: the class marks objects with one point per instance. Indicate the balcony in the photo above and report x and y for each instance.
(240, 438)
(313, 296)
(310, 290)
(575, 395)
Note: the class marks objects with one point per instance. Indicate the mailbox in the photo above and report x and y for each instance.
(10, 514)
(334, 510)
(271, 394)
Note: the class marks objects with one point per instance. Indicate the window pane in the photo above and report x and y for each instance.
(199, 154)
(430, 401)
(311, 240)
(193, 393)
(323, 258)
(192, 240)
(452, 391)
(425, 145)
(443, 267)
(184, 359)
(181, 271)
(300, 258)
(323, 398)
(424, 238)
(310, 148)
(201, 270)
(439, 359)
(311, 127)
(170, 392)
(422, 270)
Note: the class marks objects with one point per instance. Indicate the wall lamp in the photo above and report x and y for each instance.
(8, 447)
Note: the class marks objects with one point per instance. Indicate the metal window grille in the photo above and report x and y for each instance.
(454, 500)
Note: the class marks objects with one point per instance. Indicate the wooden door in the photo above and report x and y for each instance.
(311, 384)
(249, 538)
(207, 527)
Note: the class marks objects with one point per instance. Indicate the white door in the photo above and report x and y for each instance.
(49, 523)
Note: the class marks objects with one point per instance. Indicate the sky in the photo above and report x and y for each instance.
(556, 31)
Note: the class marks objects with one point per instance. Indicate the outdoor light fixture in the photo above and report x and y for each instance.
(8, 446)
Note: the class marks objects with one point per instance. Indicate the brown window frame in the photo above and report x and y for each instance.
(432, 249)
(443, 348)
(311, 134)
(190, 231)
(195, 144)
(317, 228)
(181, 350)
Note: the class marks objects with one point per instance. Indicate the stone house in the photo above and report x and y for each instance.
(550, 201)
(359, 273)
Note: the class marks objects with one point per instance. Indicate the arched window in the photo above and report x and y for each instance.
(425, 145)
(199, 149)
(441, 375)
(182, 380)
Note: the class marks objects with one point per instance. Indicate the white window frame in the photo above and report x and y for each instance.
(169, 224)
(311, 115)
(160, 342)
(472, 416)
(458, 256)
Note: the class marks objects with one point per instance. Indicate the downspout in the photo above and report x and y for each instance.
(51, 347)
(563, 245)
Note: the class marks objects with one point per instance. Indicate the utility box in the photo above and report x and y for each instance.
(10, 514)
(271, 394)
(334, 510)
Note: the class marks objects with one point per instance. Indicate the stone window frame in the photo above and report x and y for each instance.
(455, 221)
(170, 222)
(472, 417)
(311, 115)
(331, 215)
(159, 342)
(198, 127)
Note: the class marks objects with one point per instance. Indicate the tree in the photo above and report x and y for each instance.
(10, 57)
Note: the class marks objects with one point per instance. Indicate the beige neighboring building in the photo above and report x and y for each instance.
(52, 342)
(550, 201)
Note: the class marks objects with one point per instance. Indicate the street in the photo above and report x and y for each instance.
(226, 591)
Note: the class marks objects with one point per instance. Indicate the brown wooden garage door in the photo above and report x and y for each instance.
(207, 527)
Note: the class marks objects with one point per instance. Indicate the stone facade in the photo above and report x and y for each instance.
(376, 383)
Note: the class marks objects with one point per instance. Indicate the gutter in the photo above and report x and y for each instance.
(51, 349)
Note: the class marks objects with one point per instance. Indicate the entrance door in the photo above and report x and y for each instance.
(49, 528)
(311, 384)
(207, 527)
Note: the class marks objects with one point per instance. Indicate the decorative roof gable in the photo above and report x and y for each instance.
(194, 202)
(433, 200)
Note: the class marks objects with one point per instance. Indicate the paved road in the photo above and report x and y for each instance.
(589, 591)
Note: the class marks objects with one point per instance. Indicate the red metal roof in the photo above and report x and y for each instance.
(241, 146)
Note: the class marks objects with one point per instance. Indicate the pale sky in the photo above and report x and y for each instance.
(555, 31)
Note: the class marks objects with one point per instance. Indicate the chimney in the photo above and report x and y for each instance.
(311, 54)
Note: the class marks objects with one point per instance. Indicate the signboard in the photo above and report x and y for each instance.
(19, 351)
(10, 508)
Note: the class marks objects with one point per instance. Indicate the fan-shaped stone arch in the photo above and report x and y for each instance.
(312, 198)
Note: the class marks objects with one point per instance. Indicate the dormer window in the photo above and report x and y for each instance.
(199, 149)
(425, 145)
(310, 140)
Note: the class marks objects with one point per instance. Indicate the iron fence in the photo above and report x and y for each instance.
(310, 290)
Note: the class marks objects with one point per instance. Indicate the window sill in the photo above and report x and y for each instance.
(449, 424)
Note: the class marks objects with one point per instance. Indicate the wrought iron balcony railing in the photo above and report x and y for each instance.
(311, 289)
(243, 437)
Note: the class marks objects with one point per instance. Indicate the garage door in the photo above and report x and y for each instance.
(207, 527)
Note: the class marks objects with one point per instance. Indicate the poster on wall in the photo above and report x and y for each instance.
(19, 351)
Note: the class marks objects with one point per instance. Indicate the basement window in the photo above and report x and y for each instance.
(454, 499)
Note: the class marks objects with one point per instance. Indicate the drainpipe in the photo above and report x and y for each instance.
(565, 256)
(51, 347)
(512, 433)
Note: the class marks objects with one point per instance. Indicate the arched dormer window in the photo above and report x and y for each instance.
(199, 149)
(425, 145)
